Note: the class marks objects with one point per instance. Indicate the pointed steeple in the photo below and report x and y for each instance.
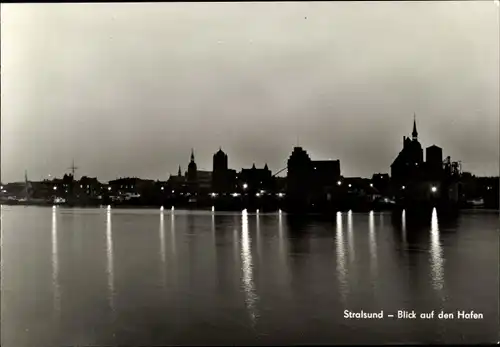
(179, 172)
(192, 169)
(266, 167)
(253, 166)
(414, 134)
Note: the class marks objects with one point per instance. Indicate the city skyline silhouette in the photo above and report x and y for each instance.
(278, 171)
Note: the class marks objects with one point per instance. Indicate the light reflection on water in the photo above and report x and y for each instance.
(403, 228)
(373, 245)
(163, 255)
(55, 263)
(109, 258)
(259, 241)
(350, 236)
(436, 257)
(283, 251)
(212, 229)
(247, 267)
(280, 236)
(172, 234)
(1, 234)
(341, 263)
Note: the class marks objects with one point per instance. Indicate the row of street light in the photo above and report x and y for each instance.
(259, 194)
(245, 186)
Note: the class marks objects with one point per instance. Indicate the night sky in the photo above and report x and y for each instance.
(128, 89)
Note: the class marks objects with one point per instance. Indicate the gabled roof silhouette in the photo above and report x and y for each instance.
(434, 146)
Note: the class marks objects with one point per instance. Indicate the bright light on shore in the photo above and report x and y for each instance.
(434, 189)
(245, 186)
(339, 183)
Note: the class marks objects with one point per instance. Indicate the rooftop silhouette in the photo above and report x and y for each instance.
(309, 186)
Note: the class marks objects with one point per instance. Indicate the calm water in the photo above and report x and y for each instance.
(151, 277)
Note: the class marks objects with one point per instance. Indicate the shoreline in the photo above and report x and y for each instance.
(251, 209)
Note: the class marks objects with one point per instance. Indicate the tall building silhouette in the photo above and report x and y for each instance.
(298, 179)
(192, 174)
(299, 172)
(311, 182)
(432, 181)
(220, 161)
(434, 161)
(408, 163)
(220, 172)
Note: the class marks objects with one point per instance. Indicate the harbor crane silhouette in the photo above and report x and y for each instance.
(73, 168)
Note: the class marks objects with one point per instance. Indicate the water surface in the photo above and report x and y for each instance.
(151, 277)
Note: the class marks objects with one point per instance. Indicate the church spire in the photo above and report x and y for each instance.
(179, 172)
(192, 155)
(414, 134)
